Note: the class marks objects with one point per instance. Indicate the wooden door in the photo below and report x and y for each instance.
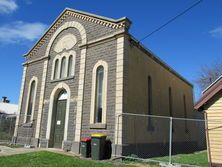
(58, 124)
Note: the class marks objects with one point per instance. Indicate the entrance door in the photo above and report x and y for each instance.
(58, 122)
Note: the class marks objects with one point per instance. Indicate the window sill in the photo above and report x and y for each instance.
(97, 126)
(62, 79)
(28, 125)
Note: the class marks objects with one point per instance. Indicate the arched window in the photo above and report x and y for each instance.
(31, 101)
(70, 66)
(150, 102)
(56, 69)
(185, 112)
(63, 68)
(99, 94)
(170, 102)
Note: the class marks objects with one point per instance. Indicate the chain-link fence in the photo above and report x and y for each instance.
(7, 126)
(24, 130)
(164, 140)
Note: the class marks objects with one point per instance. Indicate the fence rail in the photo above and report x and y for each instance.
(162, 139)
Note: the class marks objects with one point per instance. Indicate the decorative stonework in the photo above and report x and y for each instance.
(66, 42)
(97, 20)
(58, 88)
(20, 101)
(119, 90)
(80, 96)
(104, 96)
(34, 78)
(64, 15)
(41, 100)
(82, 32)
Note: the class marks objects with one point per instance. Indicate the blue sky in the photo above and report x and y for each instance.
(188, 43)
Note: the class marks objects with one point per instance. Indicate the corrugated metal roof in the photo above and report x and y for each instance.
(209, 93)
(8, 108)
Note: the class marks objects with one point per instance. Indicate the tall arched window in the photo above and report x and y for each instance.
(99, 94)
(70, 66)
(56, 69)
(185, 112)
(150, 102)
(63, 68)
(31, 102)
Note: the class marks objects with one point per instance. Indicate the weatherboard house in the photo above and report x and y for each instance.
(87, 70)
(211, 105)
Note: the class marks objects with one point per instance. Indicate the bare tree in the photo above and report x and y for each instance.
(208, 74)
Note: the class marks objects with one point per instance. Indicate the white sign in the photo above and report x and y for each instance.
(58, 122)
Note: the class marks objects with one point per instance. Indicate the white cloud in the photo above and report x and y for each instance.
(217, 32)
(8, 6)
(20, 31)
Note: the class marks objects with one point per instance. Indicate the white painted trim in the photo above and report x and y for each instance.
(93, 91)
(66, 25)
(220, 77)
(59, 58)
(66, 42)
(41, 97)
(34, 78)
(53, 68)
(54, 93)
(119, 90)
(20, 101)
(68, 54)
(80, 96)
(61, 75)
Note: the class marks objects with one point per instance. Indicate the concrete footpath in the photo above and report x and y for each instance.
(6, 151)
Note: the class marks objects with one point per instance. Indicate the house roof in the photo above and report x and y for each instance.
(113, 23)
(209, 93)
(9, 109)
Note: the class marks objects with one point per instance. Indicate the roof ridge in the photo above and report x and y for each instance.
(213, 83)
(98, 16)
(114, 23)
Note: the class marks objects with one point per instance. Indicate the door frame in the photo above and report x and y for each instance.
(53, 96)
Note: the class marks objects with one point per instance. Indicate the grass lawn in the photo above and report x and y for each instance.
(49, 159)
(196, 158)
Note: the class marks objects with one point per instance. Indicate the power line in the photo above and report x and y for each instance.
(171, 20)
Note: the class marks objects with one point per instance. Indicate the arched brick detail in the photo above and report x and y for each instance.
(66, 25)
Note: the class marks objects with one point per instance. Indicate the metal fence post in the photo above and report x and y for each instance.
(170, 140)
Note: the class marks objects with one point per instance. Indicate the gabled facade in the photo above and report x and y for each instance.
(84, 72)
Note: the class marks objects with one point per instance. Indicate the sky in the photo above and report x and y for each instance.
(187, 44)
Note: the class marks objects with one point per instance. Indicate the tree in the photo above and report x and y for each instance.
(208, 74)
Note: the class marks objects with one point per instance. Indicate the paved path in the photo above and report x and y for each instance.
(6, 151)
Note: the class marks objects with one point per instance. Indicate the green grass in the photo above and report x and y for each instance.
(196, 158)
(49, 159)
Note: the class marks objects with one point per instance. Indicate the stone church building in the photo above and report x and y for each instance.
(84, 72)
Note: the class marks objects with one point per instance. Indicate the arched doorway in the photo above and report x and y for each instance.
(58, 120)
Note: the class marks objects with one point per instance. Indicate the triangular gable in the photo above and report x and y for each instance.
(209, 93)
(108, 22)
